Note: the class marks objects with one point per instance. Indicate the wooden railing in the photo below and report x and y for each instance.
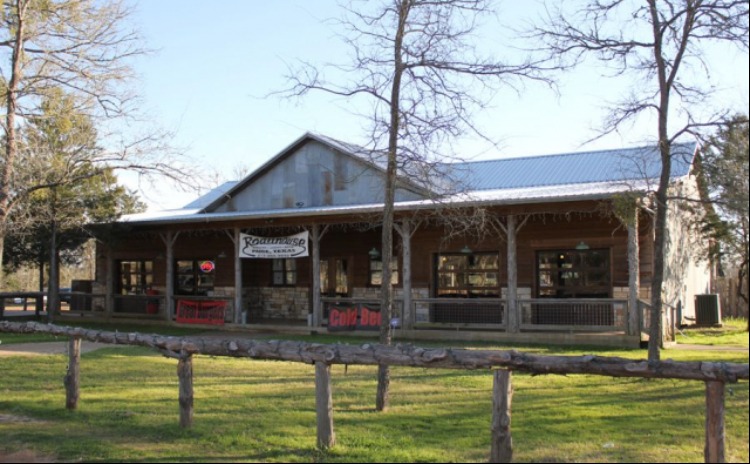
(714, 374)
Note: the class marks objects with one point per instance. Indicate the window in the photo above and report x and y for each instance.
(284, 271)
(468, 275)
(376, 271)
(135, 277)
(573, 274)
(195, 277)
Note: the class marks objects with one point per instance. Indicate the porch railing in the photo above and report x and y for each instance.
(587, 314)
(480, 313)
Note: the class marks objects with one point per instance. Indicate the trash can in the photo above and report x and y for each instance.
(152, 305)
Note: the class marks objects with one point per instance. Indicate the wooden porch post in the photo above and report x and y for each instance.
(406, 232)
(512, 316)
(634, 270)
(109, 305)
(235, 237)
(317, 314)
(169, 240)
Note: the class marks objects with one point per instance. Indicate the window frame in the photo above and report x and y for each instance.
(396, 272)
(573, 266)
(143, 273)
(464, 287)
(195, 274)
(284, 272)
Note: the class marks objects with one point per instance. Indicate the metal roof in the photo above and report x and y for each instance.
(571, 168)
(526, 180)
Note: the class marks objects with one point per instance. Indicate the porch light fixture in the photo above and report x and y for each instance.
(466, 250)
(374, 253)
(222, 254)
(582, 246)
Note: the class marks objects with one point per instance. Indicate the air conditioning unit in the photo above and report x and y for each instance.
(707, 310)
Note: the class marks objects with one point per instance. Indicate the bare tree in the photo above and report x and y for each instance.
(414, 63)
(660, 45)
(85, 49)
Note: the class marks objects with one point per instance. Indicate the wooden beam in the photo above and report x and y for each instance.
(185, 375)
(237, 277)
(402, 355)
(634, 279)
(714, 449)
(512, 313)
(324, 405)
(502, 397)
(73, 376)
(406, 232)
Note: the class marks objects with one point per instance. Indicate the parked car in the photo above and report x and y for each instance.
(18, 300)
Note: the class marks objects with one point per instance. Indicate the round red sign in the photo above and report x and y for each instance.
(207, 266)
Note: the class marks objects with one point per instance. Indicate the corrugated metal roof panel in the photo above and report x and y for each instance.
(571, 168)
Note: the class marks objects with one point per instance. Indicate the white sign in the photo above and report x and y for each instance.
(294, 246)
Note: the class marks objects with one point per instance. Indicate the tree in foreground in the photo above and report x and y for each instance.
(725, 166)
(661, 46)
(65, 186)
(85, 49)
(415, 65)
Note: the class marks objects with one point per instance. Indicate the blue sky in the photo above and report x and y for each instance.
(216, 61)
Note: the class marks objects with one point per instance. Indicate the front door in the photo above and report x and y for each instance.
(334, 277)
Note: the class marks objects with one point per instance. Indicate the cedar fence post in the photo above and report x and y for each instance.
(324, 405)
(714, 450)
(72, 378)
(502, 396)
(185, 374)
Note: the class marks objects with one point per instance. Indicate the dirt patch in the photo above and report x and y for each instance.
(10, 418)
(24, 456)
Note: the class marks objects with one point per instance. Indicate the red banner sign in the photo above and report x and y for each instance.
(355, 317)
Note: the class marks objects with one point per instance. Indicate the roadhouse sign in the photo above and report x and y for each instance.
(293, 246)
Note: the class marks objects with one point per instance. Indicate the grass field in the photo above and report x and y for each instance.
(733, 332)
(265, 411)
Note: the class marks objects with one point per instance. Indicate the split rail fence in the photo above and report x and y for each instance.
(715, 374)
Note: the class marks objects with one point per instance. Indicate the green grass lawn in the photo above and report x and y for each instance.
(734, 332)
(249, 410)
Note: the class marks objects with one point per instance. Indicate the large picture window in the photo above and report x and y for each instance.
(195, 277)
(468, 275)
(573, 274)
(135, 277)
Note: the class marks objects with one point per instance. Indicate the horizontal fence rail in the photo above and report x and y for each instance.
(400, 355)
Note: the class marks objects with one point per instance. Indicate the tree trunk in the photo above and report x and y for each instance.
(386, 295)
(53, 286)
(11, 105)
